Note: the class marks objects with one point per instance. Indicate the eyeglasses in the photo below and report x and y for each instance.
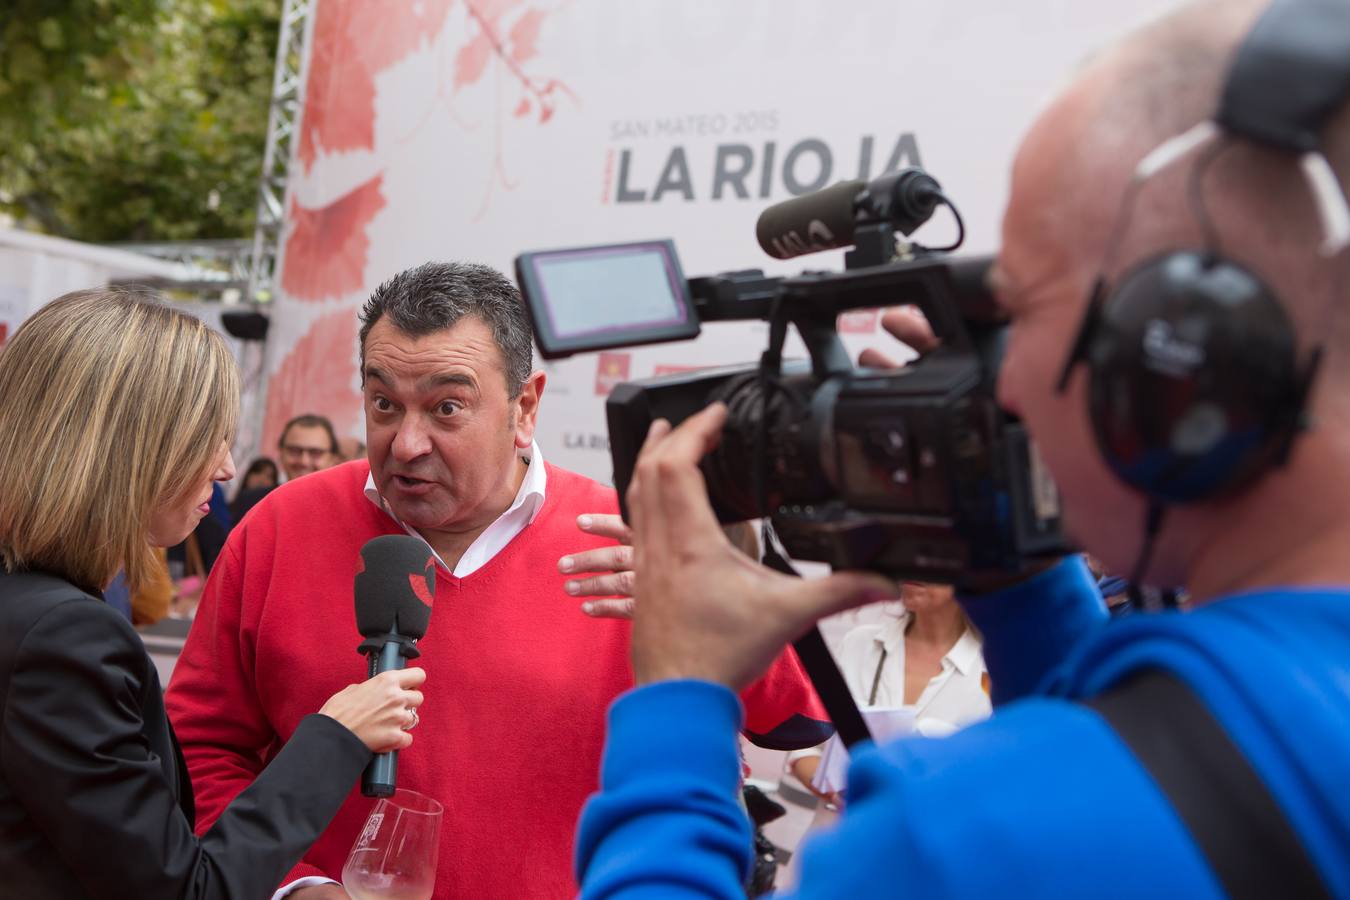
(314, 453)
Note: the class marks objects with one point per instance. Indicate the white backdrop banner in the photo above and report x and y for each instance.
(474, 130)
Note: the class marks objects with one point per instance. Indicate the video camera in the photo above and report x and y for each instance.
(915, 473)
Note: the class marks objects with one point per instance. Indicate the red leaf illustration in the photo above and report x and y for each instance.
(525, 35)
(327, 247)
(472, 59)
(523, 107)
(339, 112)
(385, 32)
(330, 106)
(317, 376)
(353, 41)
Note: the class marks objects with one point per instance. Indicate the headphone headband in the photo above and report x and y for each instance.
(1290, 75)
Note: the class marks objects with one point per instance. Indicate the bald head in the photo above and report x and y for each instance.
(1158, 83)
(1068, 185)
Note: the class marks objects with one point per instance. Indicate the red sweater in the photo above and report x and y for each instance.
(518, 680)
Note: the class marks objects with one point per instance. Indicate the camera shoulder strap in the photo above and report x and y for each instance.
(819, 664)
(1234, 820)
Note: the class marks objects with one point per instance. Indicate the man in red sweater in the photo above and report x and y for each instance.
(518, 679)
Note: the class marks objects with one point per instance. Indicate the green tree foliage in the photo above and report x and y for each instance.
(135, 120)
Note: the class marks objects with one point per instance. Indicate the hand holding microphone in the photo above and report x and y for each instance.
(381, 710)
(395, 588)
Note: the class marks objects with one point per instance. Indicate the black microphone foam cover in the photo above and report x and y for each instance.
(395, 586)
(822, 220)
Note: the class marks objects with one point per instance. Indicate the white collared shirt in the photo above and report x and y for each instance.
(955, 696)
(522, 511)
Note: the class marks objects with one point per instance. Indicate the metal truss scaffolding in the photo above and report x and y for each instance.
(283, 121)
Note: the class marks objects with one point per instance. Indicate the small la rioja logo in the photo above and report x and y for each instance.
(610, 369)
(859, 321)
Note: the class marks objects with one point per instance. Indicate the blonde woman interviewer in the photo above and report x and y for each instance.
(116, 414)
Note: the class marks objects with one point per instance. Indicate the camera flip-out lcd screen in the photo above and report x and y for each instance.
(600, 297)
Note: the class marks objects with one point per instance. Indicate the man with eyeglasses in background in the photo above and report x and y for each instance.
(308, 444)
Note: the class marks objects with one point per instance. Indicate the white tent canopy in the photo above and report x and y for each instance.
(35, 268)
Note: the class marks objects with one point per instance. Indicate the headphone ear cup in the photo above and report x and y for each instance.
(1192, 373)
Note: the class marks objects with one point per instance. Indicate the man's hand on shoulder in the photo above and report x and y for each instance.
(606, 571)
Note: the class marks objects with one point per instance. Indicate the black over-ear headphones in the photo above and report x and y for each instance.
(1196, 386)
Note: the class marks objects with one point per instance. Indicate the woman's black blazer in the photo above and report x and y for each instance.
(94, 795)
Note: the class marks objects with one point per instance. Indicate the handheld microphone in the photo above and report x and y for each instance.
(395, 588)
(828, 218)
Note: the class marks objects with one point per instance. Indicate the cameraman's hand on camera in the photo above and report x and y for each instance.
(704, 609)
(614, 566)
(907, 324)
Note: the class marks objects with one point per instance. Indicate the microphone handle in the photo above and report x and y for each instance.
(381, 774)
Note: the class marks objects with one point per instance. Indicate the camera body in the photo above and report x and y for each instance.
(916, 473)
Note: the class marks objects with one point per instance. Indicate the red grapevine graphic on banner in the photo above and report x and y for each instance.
(327, 247)
(354, 40)
(512, 51)
(518, 47)
(317, 376)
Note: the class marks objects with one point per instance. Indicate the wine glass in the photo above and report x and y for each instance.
(394, 857)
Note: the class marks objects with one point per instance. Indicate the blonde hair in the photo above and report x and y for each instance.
(112, 404)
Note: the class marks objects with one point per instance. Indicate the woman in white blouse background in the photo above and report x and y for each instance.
(926, 660)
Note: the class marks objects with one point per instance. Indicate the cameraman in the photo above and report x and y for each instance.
(1046, 798)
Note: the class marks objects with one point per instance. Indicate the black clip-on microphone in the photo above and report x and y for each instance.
(394, 591)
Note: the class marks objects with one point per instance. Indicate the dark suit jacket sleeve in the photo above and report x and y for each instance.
(74, 750)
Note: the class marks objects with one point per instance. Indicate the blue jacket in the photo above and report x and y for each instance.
(1041, 800)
